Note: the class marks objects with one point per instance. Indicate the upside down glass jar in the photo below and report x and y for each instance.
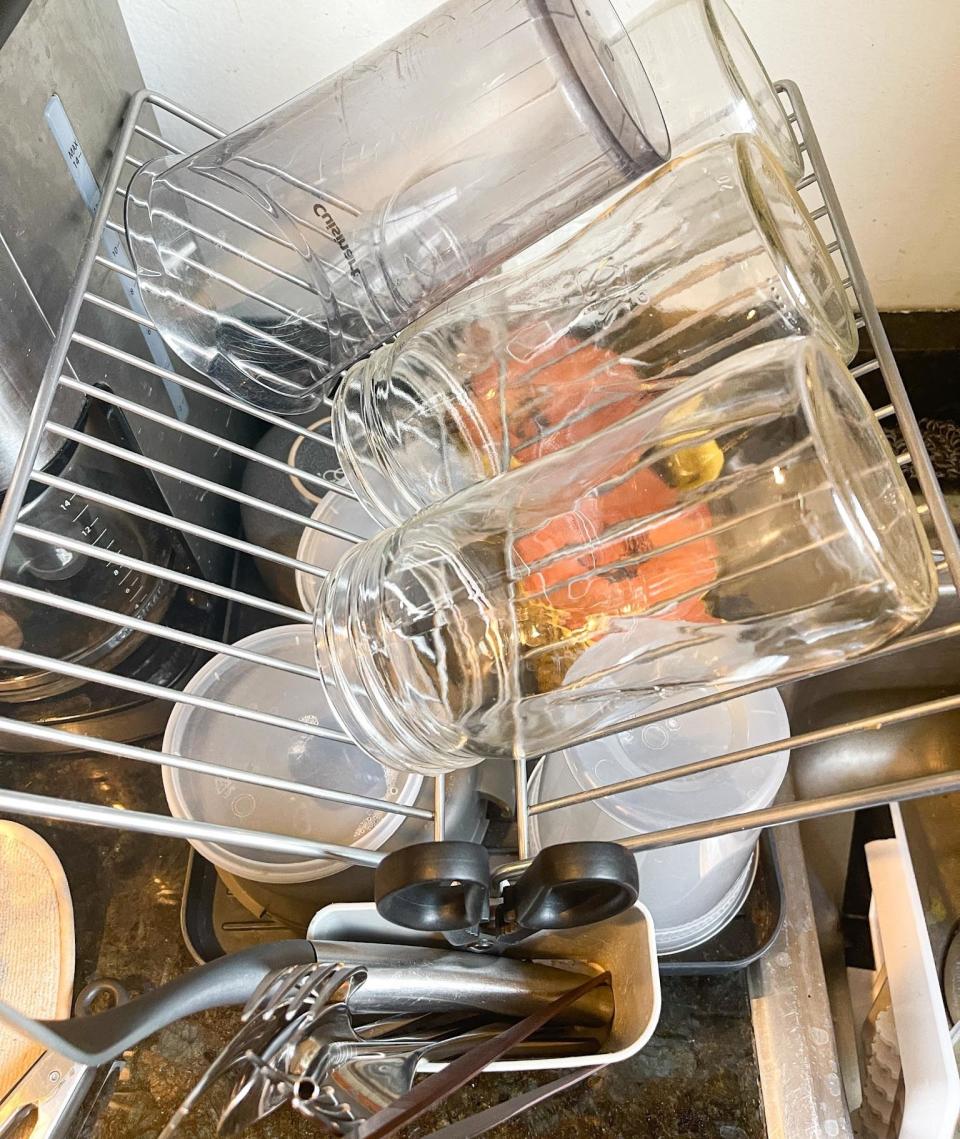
(751, 522)
(708, 77)
(277, 256)
(705, 257)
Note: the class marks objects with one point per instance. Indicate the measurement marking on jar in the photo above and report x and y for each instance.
(85, 507)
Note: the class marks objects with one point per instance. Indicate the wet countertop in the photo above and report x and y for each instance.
(696, 1079)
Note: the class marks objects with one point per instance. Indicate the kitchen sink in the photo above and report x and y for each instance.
(767, 1052)
(806, 1032)
(928, 745)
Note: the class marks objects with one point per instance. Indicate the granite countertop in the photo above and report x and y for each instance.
(696, 1079)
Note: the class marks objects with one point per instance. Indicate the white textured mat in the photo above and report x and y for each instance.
(36, 941)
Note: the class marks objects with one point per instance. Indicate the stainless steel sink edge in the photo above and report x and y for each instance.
(792, 1022)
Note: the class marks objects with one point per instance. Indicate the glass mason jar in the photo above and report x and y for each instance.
(277, 256)
(709, 255)
(751, 522)
(709, 80)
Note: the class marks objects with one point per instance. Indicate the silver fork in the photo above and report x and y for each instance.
(295, 996)
(271, 1078)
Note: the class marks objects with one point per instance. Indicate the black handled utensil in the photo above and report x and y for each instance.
(447, 887)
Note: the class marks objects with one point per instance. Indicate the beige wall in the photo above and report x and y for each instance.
(882, 78)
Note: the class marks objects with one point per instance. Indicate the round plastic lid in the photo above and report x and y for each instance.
(666, 881)
(325, 550)
(743, 722)
(246, 745)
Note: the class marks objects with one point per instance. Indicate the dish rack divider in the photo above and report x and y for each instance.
(817, 188)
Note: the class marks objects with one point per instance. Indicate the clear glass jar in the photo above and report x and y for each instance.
(277, 256)
(751, 522)
(709, 255)
(707, 75)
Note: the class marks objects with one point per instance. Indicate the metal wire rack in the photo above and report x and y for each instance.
(87, 353)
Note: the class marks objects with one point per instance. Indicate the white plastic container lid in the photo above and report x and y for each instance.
(325, 550)
(691, 890)
(746, 721)
(250, 746)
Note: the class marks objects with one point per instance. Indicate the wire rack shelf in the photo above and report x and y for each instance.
(86, 353)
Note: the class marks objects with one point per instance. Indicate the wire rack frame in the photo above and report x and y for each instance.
(821, 196)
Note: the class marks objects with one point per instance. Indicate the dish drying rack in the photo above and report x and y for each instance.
(816, 187)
